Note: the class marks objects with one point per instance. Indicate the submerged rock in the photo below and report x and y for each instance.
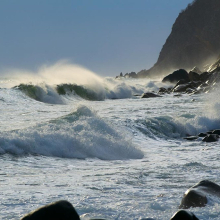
(60, 210)
(196, 196)
(184, 215)
(191, 138)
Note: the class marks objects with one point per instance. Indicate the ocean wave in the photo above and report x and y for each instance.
(80, 90)
(160, 127)
(108, 89)
(176, 127)
(81, 134)
(41, 92)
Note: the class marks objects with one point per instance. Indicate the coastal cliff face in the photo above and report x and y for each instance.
(194, 39)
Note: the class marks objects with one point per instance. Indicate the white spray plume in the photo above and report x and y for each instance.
(58, 73)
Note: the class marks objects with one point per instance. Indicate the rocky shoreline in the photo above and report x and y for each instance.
(194, 82)
(196, 196)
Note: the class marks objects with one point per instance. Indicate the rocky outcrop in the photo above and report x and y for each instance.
(193, 82)
(197, 196)
(194, 39)
(127, 75)
(177, 75)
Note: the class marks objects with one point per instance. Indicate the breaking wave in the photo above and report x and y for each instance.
(108, 90)
(42, 93)
(178, 127)
(81, 134)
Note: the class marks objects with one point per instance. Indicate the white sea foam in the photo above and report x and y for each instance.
(81, 134)
(63, 72)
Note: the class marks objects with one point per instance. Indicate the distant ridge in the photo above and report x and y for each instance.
(194, 39)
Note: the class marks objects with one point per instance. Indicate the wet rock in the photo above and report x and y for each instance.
(215, 66)
(202, 134)
(196, 196)
(184, 215)
(211, 138)
(177, 75)
(196, 70)
(60, 210)
(216, 132)
(191, 138)
(181, 82)
(150, 95)
(162, 90)
(205, 76)
(193, 76)
(190, 86)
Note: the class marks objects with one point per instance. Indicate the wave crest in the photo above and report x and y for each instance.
(42, 93)
(81, 134)
(81, 91)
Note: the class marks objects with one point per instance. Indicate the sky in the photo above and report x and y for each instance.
(104, 36)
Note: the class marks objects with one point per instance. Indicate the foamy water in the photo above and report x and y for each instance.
(119, 158)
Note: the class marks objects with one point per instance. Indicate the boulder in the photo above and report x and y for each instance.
(196, 196)
(217, 131)
(202, 134)
(193, 76)
(184, 215)
(211, 138)
(177, 75)
(149, 95)
(190, 86)
(60, 210)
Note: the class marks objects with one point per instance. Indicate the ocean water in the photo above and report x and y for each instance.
(100, 146)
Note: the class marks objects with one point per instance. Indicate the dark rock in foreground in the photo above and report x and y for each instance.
(63, 210)
(184, 215)
(196, 196)
(60, 210)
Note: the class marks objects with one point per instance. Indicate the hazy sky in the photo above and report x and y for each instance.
(105, 36)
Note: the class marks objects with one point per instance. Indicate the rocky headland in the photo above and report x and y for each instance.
(193, 41)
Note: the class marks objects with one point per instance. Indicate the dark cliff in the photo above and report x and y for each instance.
(194, 39)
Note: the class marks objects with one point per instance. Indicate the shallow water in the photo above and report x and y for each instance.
(114, 159)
